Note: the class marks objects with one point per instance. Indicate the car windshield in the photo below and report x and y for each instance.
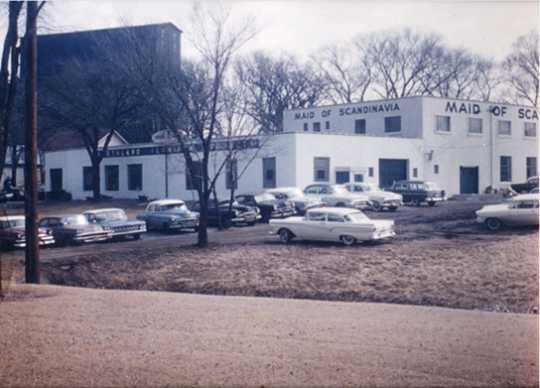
(172, 207)
(264, 197)
(356, 217)
(12, 223)
(109, 215)
(431, 186)
(75, 220)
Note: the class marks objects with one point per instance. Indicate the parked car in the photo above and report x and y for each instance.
(337, 195)
(269, 206)
(418, 192)
(74, 229)
(117, 222)
(333, 224)
(378, 198)
(225, 215)
(519, 210)
(169, 215)
(526, 187)
(301, 202)
(12, 233)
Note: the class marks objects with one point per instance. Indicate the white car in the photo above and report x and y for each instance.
(520, 210)
(378, 198)
(332, 224)
(301, 202)
(337, 195)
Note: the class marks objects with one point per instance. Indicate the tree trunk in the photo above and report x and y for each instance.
(15, 156)
(219, 221)
(202, 238)
(96, 179)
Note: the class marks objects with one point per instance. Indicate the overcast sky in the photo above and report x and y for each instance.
(301, 27)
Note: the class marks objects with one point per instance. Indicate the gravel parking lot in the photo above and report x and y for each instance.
(440, 257)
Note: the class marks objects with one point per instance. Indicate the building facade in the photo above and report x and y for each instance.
(464, 146)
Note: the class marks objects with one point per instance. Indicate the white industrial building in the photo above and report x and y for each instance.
(464, 146)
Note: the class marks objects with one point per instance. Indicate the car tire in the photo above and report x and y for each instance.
(431, 203)
(285, 236)
(340, 204)
(348, 240)
(376, 206)
(136, 237)
(417, 202)
(226, 223)
(392, 208)
(493, 224)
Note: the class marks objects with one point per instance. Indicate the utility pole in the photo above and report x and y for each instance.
(30, 151)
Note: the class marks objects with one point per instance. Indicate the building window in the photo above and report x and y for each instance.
(111, 178)
(360, 126)
(306, 127)
(504, 127)
(435, 168)
(415, 172)
(327, 124)
(135, 177)
(371, 172)
(475, 125)
(531, 167)
(231, 175)
(530, 129)
(358, 177)
(443, 123)
(316, 126)
(321, 167)
(88, 175)
(194, 177)
(269, 173)
(392, 124)
(343, 176)
(506, 169)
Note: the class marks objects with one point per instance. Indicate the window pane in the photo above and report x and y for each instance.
(327, 125)
(321, 168)
(306, 127)
(531, 167)
(504, 127)
(443, 123)
(194, 177)
(87, 178)
(475, 125)
(392, 124)
(506, 169)
(317, 127)
(231, 175)
(343, 176)
(111, 178)
(269, 173)
(360, 127)
(358, 177)
(530, 129)
(135, 177)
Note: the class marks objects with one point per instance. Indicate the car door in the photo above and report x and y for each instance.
(313, 226)
(313, 192)
(335, 226)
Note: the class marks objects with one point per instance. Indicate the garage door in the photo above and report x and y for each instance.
(391, 170)
(468, 180)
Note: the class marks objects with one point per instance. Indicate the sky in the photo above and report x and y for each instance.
(301, 27)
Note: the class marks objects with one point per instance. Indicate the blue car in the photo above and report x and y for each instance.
(116, 221)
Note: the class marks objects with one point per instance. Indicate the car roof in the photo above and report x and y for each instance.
(166, 202)
(11, 218)
(335, 210)
(110, 209)
(526, 197)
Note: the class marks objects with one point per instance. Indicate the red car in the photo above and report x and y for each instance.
(12, 235)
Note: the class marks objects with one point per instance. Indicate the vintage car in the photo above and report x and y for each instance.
(301, 202)
(333, 224)
(117, 222)
(418, 192)
(226, 215)
(519, 210)
(337, 195)
(74, 229)
(526, 187)
(378, 198)
(269, 206)
(12, 233)
(169, 215)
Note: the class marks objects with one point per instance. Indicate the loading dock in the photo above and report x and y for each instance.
(391, 170)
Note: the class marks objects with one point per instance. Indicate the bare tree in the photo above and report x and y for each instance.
(92, 99)
(521, 68)
(274, 85)
(346, 72)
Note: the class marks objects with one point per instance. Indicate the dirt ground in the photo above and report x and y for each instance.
(440, 257)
